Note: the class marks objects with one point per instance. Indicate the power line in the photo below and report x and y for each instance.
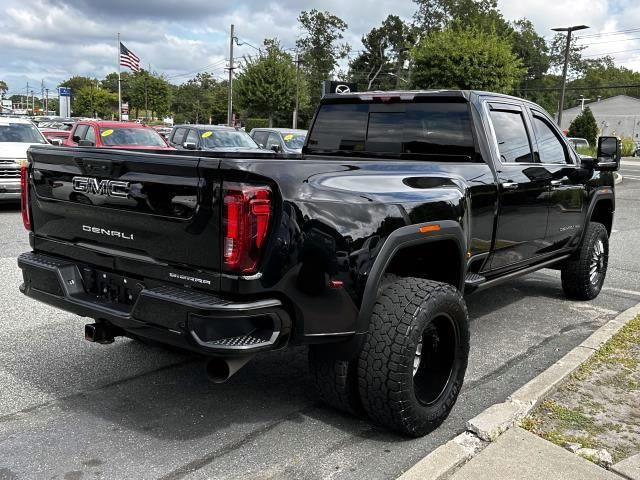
(604, 54)
(600, 87)
(607, 34)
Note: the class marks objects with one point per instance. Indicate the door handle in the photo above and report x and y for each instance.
(509, 186)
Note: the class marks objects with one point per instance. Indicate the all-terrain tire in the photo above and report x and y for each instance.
(583, 275)
(336, 381)
(412, 312)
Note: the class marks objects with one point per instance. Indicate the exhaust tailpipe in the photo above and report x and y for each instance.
(219, 370)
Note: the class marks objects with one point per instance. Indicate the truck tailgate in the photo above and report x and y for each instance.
(149, 207)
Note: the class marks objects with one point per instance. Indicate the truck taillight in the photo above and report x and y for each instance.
(24, 195)
(247, 212)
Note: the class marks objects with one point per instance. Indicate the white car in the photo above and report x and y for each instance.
(16, 136)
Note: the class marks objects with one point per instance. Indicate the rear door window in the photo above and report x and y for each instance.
(91, 135)
(512, 137)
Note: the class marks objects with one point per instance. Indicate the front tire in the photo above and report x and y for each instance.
(414, 359)
(583, 276)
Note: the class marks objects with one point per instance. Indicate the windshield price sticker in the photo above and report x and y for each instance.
(207, 134)
(107, 132)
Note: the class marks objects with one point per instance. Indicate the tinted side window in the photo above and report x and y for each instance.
(511, 134)
(274, 139)
(261, 138)
(192, 136)
(80, 131)
(91, 135)
(178, 135)
(550, 146)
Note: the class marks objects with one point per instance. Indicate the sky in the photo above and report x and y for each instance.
(47, 41)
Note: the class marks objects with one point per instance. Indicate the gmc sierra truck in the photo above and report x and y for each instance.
(362, 248)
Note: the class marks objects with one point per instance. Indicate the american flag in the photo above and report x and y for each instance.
(129, 59)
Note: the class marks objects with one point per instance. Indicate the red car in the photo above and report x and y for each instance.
(103, 134)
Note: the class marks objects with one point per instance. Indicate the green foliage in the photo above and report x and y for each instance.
(250, 123)
(320, 47)
(628, 146)
(77, 83)
(466, 59)
(3, 87)
(200, 100)
(385, 51)
(91, 101)
(584, 126)
(531, 48)
(433, 15)
(148, 92)
(266, 85)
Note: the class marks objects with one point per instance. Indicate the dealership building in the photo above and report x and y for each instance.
(619, 116)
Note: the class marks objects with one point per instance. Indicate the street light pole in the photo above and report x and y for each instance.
(231, 68)
(567, 48)
(295, 112)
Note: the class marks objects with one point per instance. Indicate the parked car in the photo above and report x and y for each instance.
(105, 134)
(404, 202)
(212, 138)
(285, 140)
(636, 152)
(56, 131)
(164, 131)
(16, 136)
(578, 142)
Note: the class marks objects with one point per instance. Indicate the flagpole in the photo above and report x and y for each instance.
(119, 82)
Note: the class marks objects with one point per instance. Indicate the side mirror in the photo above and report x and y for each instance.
(275, 148)
(261, 145)
(85, 143)
(75, 138)
(55, 141)
(189, 145)
(609, 154)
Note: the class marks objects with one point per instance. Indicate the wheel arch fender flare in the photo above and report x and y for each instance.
(408, 236)
(598, 196)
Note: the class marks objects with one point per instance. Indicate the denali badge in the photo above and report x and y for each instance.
(106, 188)
(107, 232)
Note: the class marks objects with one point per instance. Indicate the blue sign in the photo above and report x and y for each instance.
(64, 91)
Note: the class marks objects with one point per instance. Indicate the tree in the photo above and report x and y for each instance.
(557, 53)
(3, 88)
(92, 100)
(385, 51)
(77, 83)
(267, 84)
(148, 92)
(466, 59)
(584, 126)
(435, 15)
(320, 47)
(531, 48)
(201, 99)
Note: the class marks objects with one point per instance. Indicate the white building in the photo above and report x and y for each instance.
(619, 115)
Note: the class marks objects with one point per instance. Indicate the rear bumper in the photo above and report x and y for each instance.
(182, 317)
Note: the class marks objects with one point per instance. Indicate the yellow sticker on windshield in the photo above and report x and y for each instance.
(107, 132)
(288, 137)
(207, 134)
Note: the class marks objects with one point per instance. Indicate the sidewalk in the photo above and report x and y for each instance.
(518, 454)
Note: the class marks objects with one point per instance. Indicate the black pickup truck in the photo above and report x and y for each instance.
(362, 248)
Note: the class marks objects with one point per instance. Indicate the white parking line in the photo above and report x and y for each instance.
(630, 177)
(580, 307)
(622, 290)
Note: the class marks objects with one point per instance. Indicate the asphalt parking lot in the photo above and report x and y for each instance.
(74, 410)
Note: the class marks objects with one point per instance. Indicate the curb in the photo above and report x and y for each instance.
(617, 178)
(498, 418)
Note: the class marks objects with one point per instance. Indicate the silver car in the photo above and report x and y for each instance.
(280, 140)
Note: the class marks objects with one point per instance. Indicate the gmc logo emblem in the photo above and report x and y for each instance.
(106, 188)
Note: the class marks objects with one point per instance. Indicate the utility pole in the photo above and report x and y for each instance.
(295, 112)
(231, 68)
(569, 30)
(46, 100)
(27, 98)
(42, 94)
(33, 103)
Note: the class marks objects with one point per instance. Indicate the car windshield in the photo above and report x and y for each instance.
(20, 133)
(131, 136)
(227, 139)
(294, 141)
